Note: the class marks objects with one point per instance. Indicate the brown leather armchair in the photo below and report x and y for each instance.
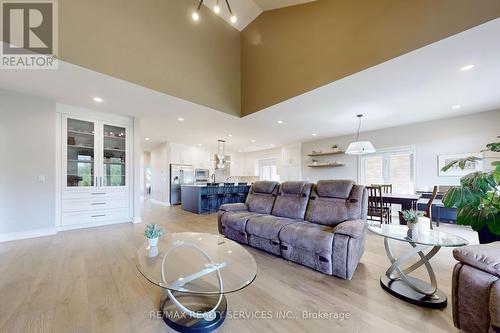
(476, 288)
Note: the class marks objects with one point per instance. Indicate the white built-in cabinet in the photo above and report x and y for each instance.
(96, 174)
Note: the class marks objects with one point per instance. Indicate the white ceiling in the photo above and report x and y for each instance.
(247, 10)
(419, 86)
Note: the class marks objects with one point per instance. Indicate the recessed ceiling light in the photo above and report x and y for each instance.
(180, 119)
(467, 67)
(314, 134)
(147, 139)
(456, 106)
(199, 144)
(252, 141)
(98, 99)
(230, 135)
(280, 121)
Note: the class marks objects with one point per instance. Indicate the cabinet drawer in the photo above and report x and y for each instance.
(96, 194)
(93, 217)
(97, 203)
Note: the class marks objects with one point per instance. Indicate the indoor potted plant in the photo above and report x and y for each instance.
(152, 233)
(411, 218)
(477, 199)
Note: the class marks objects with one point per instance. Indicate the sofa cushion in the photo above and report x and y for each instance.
(264, 186)
(261, 197)
(308, 236)
(335, 201)
(326, 211)
(292, 199)
(334, 188)
(237, 220)
(485, 257)
(267, 226)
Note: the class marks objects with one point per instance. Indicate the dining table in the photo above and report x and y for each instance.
(406, 200)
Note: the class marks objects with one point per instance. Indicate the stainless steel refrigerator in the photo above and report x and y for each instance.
(180, 174)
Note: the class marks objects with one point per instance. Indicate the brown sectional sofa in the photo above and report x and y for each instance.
(321, 226)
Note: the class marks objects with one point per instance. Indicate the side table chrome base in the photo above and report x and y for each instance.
(178, 320)
(397, 281)
(406, 293)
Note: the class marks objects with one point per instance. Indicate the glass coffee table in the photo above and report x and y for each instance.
(396, 279)
(195, 270)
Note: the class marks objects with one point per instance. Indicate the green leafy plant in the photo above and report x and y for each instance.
(477, 199)
(411, 216)
(153, 231)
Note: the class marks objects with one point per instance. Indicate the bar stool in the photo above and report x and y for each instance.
(241, 196)
(212, 198)
(228, 190)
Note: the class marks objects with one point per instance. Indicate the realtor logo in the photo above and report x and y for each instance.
(29, 34)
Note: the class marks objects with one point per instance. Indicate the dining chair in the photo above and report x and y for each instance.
(377, 211)
(428, 206)
(386, 188)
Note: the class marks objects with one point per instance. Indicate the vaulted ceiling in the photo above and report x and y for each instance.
(281, 54)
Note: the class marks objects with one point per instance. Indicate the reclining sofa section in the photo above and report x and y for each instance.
(321, 226)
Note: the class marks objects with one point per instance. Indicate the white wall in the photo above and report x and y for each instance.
(27, 163)
(288, 160)
(466, 134)
(160, 173)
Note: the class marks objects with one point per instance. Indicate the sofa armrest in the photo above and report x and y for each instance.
(234, 207)
(352, 228)
(485, 257)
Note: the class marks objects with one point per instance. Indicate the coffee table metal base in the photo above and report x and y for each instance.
(399, 283)
(403, 291)
(178, 320)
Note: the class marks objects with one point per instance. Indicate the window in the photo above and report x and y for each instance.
(268, 169)
(389, 166)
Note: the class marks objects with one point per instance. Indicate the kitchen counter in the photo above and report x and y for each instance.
(200, 198)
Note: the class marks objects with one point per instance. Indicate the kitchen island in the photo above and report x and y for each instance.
(204, 198)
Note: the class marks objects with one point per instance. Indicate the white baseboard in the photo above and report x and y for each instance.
(27, 234)
(137, 220)
(163, 203)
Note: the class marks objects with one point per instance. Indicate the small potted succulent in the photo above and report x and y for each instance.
(152, 233)
(411, 217)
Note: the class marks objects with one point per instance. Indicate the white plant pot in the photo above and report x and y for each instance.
(424, 225)
(412, 230)
(153, 251)
(153, 241)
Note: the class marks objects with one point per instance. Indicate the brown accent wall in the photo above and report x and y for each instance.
(154, 43)
(289, 51)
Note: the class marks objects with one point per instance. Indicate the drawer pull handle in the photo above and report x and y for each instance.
(100, 215)
(96, 193)
(98, 203)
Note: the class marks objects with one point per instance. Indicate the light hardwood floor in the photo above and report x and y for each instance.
(86, 281)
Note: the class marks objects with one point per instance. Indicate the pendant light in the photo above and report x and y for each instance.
(220, 156)
(196, 14)
(360, 147)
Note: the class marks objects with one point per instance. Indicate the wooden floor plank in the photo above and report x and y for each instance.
(86, 281)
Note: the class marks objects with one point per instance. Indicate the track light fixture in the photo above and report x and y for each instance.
(196, 14)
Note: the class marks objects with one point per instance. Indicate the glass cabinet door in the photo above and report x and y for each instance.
(114, 156)
(80, 153)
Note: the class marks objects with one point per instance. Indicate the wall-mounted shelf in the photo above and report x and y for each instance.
(326, 153)
(326, 165)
